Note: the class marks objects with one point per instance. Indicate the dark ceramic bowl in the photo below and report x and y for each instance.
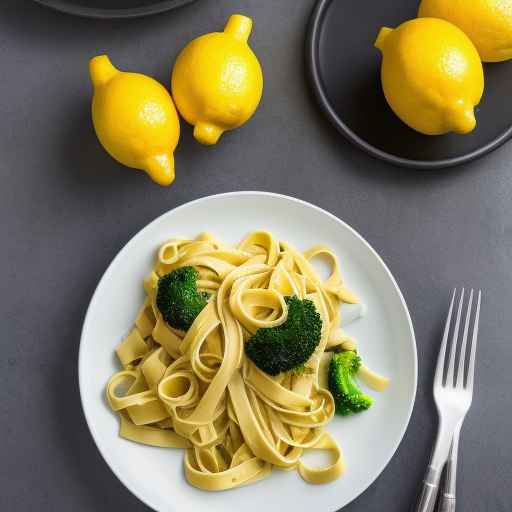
(113, 8)
(344, 69)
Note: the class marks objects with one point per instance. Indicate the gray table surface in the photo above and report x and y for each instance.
(66, 209)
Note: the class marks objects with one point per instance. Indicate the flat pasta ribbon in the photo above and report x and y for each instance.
(197, 390)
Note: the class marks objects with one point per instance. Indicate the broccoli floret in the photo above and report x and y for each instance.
(348, 397)
(178, 299)
(289, 345)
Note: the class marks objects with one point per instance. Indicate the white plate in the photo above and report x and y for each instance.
(385, 336)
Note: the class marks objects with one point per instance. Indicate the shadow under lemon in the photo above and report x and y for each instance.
(365, 110)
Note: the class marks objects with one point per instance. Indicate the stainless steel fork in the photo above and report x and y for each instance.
(452, 393)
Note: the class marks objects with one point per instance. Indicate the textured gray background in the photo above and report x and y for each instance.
(66, 209)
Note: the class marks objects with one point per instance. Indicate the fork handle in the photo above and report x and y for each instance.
(438, 458)
(447, 503)
(447, 500)
(428, 495)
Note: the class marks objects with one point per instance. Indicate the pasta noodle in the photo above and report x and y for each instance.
(198, 391)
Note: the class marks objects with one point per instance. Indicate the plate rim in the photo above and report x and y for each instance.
(110, 269)
(315, 78)
(99, 13)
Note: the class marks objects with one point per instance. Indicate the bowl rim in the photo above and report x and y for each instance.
(98, 12)
(312, 57)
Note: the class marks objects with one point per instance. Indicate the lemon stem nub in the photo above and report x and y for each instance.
(207, 133)
(461, 119)
(101, 70)
(161, 168)
(382, 36)
(239, 26)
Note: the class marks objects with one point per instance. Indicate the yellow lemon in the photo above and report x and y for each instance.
(432, 75)
(488, 23)
(135, 119)
(217, 81)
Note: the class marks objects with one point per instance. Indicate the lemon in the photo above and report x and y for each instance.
(217, 81)
(432, 75)
(135, 119)
(488, 23)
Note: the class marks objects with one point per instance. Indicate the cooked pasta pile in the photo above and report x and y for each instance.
(197, 390)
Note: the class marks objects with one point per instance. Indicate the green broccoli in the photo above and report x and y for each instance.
(178, 299)
(348, 397)
(289, 345)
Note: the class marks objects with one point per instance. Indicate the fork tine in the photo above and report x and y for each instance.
(438, 377)
(471, 369)
(462, 355)
(451, 365)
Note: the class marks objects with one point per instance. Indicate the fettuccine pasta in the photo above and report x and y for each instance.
(198, 391)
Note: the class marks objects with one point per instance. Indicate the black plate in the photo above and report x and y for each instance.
(344, 69)
(113, 8)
